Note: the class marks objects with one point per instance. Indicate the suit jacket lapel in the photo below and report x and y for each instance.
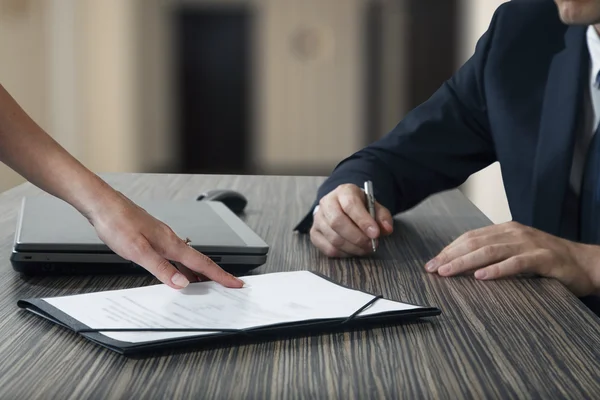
(562, 112)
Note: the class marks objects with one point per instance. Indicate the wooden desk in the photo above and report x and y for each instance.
(506, 339)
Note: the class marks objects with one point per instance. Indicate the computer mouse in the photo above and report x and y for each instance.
(233, 200)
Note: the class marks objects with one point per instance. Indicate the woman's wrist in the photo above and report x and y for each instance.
(91, 195)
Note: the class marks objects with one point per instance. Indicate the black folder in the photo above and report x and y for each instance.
(228, 336)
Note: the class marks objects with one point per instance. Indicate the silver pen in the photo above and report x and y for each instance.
(371, 205)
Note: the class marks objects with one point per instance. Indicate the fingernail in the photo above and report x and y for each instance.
(480, 274)
(180, 280)
(431, 265)
(241, 282)
(372, 232)
(444, 270)
(387, 225)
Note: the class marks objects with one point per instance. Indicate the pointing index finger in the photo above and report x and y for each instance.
(198, 262)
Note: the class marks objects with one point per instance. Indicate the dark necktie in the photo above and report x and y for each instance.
(590, 189)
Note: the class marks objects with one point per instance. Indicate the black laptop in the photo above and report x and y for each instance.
(54, 238)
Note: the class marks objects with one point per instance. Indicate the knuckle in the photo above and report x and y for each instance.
(457, 265)
(517, 235)
(518, 263)
(523, 234)
(139, 246)
(164, 230)
(330, 251)
(172, 236)
(313, 238)
(467, 235)
(490, 251)
(348, 201)
(543, 256)
(167, 240)
(163, 270)
(513, 225)
(327, 199)
(318, 219)
(385, 213)
(452, 267)
(544, 262)
(360, 241)
(493, 270)
(205, 262)
(337, 221)
(517, 227)
(442, 258)
(363, 226)
(337, 241)
(473, 244)
(347, 187)
(547, 254)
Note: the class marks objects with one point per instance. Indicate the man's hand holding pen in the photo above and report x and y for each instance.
(343, 225)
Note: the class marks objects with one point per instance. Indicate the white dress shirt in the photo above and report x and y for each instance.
(592, 112)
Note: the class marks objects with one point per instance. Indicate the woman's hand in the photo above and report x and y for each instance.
(137, 236)
(127, 229)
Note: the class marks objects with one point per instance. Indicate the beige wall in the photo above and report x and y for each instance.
(107, 62)
(71, 64)
(310, 75)
(23, 62)
(484, 189)
(75, 67)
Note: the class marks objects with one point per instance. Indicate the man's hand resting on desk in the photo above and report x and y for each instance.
(342, 225)
(509, 249)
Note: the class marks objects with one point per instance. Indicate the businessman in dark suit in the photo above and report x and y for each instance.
(529, 98)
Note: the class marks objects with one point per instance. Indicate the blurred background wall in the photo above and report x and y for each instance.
(233, 86)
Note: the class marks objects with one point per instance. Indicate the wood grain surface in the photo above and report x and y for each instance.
(525, 338)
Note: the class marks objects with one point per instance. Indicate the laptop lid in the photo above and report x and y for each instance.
(48, 224)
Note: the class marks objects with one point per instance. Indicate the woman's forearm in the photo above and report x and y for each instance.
(127, 229)
(27, 149)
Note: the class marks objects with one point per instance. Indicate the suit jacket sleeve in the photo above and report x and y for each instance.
(437, 146)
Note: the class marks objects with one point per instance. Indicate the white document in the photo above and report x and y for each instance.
(264, 300)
